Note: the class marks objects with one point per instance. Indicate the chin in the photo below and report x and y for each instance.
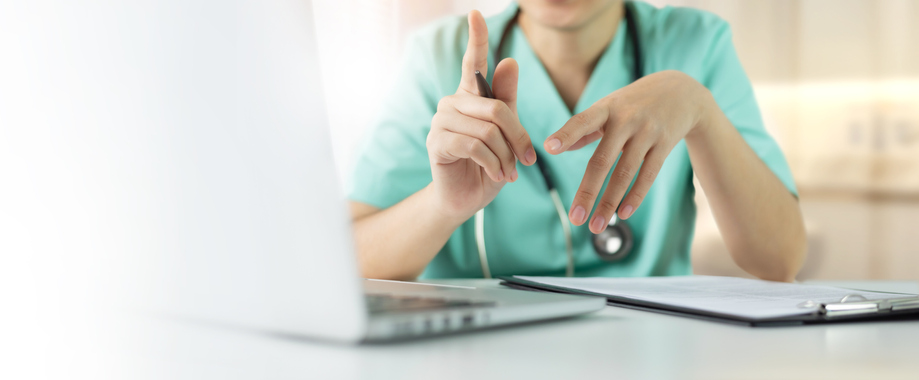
(564, 14)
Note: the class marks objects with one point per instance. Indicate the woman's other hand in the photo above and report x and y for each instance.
(642, 121)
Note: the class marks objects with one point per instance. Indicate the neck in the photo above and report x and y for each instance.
(570, 54)
(577, 48)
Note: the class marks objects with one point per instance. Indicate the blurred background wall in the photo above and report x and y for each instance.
(837, 80)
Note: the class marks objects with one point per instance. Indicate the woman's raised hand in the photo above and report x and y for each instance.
(474, 142)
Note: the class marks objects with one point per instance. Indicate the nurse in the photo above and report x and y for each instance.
(615, 146)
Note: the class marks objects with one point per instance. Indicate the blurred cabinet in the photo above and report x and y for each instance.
(858, 137)
(848, 239)
(863, 238)
(782, 41)
(840, 240)
(898, 239)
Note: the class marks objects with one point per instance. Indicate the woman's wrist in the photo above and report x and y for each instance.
(441, 210)
(710, 119)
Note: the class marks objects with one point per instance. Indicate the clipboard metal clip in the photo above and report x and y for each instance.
(856, 304)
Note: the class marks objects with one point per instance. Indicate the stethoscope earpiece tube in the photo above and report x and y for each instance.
(550, 186)
(566, 228)
(480, 242)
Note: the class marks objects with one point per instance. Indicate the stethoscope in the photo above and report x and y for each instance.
(613, 244)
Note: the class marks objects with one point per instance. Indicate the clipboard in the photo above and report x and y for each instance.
(851, 308)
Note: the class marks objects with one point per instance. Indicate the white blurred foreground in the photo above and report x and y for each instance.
(126, 128)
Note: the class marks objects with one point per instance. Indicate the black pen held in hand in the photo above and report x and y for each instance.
(484, 88)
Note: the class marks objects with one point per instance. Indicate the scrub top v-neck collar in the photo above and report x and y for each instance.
(538, 100)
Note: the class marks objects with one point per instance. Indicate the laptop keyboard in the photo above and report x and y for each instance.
(380, 303)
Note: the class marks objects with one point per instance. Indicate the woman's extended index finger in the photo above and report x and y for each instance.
(580, 125)
(476, 57)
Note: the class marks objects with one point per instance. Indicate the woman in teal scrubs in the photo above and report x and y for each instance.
(441, 152)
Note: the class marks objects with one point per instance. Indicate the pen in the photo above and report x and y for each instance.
(484, 88)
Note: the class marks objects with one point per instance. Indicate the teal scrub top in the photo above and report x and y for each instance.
(522, 230)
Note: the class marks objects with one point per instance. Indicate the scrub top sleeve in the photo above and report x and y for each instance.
(392, 161)
(725, 78)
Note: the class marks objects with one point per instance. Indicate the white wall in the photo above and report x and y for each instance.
(361, 44)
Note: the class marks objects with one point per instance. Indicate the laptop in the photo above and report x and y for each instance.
(232, 203)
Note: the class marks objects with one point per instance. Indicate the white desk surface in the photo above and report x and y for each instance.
(613, 343)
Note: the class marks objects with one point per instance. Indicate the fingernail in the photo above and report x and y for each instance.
(626, 212)
(598, 223)
(500, 175)
(514, 175)
(578, 215)
(530, 156)
(555, 144)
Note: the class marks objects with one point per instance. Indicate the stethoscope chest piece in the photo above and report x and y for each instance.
(614, 243)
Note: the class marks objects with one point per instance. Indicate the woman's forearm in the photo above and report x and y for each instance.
(759, 218)
(398, 243)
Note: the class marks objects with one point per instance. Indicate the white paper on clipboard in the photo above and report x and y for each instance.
(740, 297)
